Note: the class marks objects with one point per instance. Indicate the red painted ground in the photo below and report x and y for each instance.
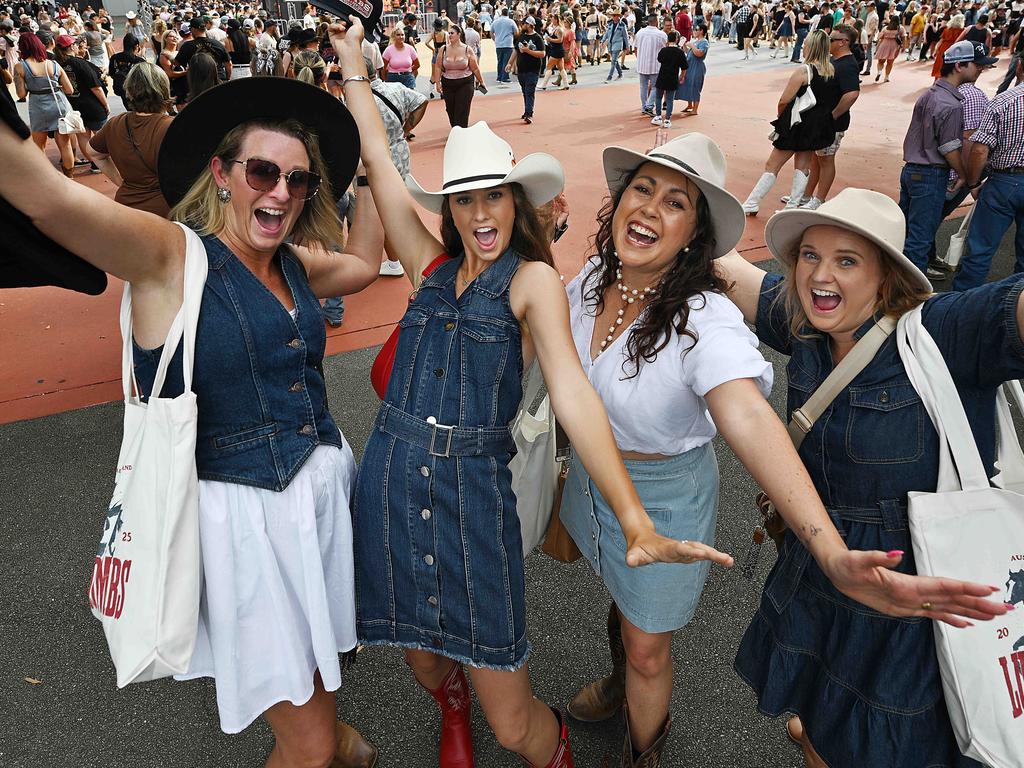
(60, 350)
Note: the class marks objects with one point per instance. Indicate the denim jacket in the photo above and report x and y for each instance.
(875, 443)
(258, 375)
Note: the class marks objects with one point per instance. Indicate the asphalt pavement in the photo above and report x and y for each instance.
(60, 708)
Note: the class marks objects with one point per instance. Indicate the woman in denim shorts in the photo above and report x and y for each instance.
(864, 684)
(439, 564)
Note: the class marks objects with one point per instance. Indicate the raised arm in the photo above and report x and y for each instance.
(396, 207)
(538, 298)
(743, 281)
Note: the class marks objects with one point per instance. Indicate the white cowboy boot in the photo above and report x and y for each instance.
(796, 193)
(764, 184)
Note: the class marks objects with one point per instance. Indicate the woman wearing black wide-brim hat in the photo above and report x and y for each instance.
(275, 472)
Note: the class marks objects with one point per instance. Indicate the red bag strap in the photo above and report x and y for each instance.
(434, 265)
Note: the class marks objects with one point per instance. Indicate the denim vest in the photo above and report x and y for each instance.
(258, 374)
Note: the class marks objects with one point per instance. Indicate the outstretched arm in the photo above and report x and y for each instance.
(743, 281)
(396, 206)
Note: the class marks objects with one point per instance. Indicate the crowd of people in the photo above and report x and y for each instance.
(421, 548)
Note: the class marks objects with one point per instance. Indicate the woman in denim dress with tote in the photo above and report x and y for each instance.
(866, 686)
(439, 552)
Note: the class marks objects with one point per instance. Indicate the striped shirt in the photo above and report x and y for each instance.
(649, 41)
(1002, 130)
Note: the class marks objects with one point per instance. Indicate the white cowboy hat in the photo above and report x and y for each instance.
(130, 15)
(477, 158)
(872, 215)
(697, 158)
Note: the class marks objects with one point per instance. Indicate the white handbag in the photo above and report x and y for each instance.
(973, 531)
(70, 120)
(958, 242)
(534, 467)
(803, 102)
(147, 573)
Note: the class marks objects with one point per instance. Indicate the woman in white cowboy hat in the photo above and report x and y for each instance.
(866, 685)
(439, 564)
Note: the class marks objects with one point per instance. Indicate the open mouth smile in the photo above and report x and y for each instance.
(825, 302)
(486, 237)
(271, 220)
(640, 236)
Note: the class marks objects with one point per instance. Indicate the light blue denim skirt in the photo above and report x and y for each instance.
(681, 496)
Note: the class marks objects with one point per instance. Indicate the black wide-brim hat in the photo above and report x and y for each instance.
(195, 134)
(369, 11)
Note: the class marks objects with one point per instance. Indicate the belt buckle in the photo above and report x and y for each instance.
(433, 438)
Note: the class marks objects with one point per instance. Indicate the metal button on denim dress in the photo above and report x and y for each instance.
(867, 686)
(438, 550)
(258, 377)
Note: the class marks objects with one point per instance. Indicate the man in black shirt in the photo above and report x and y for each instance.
(1016, 47)
(823, 169)
(527, 55)
(200, 42)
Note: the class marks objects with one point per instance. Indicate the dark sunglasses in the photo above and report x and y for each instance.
(263, 175)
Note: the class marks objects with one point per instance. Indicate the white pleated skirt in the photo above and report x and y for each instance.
(278, 601)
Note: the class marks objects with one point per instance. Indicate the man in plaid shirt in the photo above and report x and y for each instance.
(740, 21)
(999, 146)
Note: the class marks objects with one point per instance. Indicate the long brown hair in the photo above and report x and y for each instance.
(897, 294)
(529, 235)
(691, 273)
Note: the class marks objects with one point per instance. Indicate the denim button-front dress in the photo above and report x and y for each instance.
(439, 564)
(867, 686)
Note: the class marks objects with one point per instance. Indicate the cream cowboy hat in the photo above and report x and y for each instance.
(872, 215)
(697, 158)
(477, 158)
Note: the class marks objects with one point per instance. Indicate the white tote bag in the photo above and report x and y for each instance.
(970, 530)
(958, 242)
(534, 468)
(147, 572)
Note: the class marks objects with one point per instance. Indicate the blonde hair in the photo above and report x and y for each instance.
(898, 293)
(816, 53)
(147, 88)
(168, 33)
(957, 22)
(318, 223)
(309, 67)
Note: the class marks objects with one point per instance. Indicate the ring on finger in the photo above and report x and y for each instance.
(926, 606)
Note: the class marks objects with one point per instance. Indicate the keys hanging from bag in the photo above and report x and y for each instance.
(771, 525)
(967, 529)
(147, 572)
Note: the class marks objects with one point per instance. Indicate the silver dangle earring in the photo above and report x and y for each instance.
(224, 194)
(685, 250)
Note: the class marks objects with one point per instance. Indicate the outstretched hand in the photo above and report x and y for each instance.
(651, 547)
(347, 34)
(868, 578)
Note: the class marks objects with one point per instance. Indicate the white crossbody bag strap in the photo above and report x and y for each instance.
(1010, 457)
(856, 360)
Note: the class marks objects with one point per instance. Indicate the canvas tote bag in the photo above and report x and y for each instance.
(147, 571)
(534, 467)
(967, 529)
(958, 242)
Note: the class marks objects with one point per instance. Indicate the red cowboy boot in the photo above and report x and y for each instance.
(452, 696)
(563, 753)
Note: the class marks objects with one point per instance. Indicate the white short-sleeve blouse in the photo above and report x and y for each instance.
(662, 409)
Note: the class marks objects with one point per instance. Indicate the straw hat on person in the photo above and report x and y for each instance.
(871, 215)
(697, 158)
(477, 158)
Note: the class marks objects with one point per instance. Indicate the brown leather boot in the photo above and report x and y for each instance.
(603, 698)
(650, 757)
(353, 750)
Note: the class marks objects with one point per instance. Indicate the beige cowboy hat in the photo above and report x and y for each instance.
(697, 158)
(872, 215)
(477, 158)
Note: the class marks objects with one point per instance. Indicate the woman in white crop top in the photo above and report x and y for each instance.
(667, 351)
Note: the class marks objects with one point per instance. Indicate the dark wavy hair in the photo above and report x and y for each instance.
(692, 273)
(529, 235)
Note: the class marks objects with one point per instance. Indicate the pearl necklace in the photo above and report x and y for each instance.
(629, 296)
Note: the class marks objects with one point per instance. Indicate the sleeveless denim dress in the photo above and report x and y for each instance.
(866, 685)
(439, 564)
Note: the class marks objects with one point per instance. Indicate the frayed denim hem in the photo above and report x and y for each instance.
(456, 657)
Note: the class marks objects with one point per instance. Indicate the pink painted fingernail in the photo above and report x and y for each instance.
(1010, 606)
(894, 553)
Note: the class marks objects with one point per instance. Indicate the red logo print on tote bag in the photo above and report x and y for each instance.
(1013, 664)
(110, 573)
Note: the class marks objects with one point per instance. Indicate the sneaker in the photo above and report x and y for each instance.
(803, 200)
(80, 163)
(811, 205)
(667, 124)
(93, 168)
(936, 274)
(391, 268)
(528, 120)
(648, 111)
(656, 120)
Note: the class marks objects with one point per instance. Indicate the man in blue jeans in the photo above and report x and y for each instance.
(999, 144)
(617, 39)
(527, 58)
(931, 147)
(803, 26)
(503, 30)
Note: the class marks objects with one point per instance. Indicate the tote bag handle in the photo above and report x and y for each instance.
(182, 328)
(958, 451)
(1010, 457)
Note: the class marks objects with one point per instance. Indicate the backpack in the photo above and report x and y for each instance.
(265, 62)
(120, 66)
